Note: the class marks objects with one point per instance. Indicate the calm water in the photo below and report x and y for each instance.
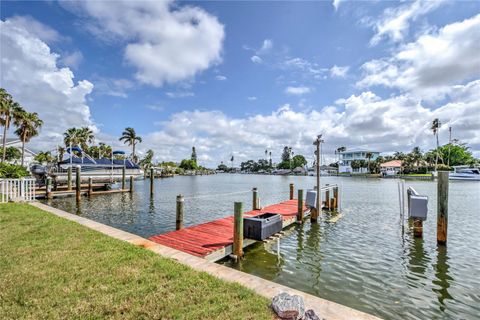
(364, 260)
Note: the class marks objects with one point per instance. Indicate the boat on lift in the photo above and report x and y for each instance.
(100, 170)
(465, 173)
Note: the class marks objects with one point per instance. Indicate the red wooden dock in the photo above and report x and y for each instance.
(213, 240)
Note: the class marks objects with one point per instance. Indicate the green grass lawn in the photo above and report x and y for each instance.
(54, 268)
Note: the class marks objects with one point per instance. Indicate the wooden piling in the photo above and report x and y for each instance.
(179, 213)
(327, 198)
(90, 186)
(300, 206)
(78, 183)
(152, 177)
(69, 178)
(255, 205)
(238, 230)
(131, 184)
(314, 211)
(48, 188)
(442, 207)
(123, 178)
(417, 228)
(292, 190)
(335, 197)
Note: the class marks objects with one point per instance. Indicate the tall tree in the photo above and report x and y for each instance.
(270, 162)
(130, 137)
(369, 156)
(28, 124)
(86, 137)
(231, 160)
(147, 161)
(436, 124)
(194, 155)
(9, 110)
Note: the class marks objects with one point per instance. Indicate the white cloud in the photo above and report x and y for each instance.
(115, 87)
(297, 90)
(432, 63)
(165, 42)
(256, 59)
(336, 4)
(305, 68)
(252, 98)
(220, 78)
(267, 45)
(395, 22)
(72, 59)
(339, 72)
(31, 74)
(180, 94)
(36, 28)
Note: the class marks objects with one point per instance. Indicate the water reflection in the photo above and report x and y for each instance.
(442, 278)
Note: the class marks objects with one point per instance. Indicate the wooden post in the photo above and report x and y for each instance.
(78, 183)
(417, 228)
(442, 207)
(69, 179)
(48, 188)
(255, 199)
(238, 230)
(90, 186)
(327, 198)
(123, 178)
(314, 211)
(335, 197)
(179, 215)
(292, 190)
(300, 206)
(151, 181)
(131, 184)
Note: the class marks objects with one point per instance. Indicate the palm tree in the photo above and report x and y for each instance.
(368, 155)
(270, 154)
(9, 110)
(231, 160)
(71, 137)
(339, 151)
(28, 125)
(130, 137)
(86, 137)
(436, 124)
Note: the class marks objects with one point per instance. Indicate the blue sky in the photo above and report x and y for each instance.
(241, 77)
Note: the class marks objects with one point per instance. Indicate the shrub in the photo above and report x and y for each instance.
(13, 171)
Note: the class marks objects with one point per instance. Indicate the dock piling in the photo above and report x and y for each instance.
(123, 178)
(327, 197)
(442, 207)
(255, 202)
(292, 190)
(131, 184)
(300, 206)
(90, 186)
(69, 179)
(48, 188)
(238, 230)
(179, 212)
(151, 181)
(78, 183)
(335, 197)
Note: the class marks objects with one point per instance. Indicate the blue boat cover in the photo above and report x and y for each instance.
(103, 162)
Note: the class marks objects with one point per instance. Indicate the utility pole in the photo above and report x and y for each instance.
(317, 143)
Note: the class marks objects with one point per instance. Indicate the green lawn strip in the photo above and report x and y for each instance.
(54, 268)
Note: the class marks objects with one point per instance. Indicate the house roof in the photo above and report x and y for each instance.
(392, 164)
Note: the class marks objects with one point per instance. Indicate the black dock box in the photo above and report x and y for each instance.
(262, 226)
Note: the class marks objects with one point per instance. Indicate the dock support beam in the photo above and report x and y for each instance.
(69, 179)
(48, 188)
(179, 212)
(442, 207)
(300, 206)
(255, 199)
(238, 230)
(90, 186)
(151, 181)
(78, 183)
(292, 190)
(327, 198)
(131, 184)
(123, 178)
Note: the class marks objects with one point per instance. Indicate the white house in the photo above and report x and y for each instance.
(347, 157)
(391, 168)
(17, 143)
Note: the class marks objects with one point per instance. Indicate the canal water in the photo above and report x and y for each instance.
(365, 260)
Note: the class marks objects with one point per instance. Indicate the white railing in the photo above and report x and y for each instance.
(17, 190)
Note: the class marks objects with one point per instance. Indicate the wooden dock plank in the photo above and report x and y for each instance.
(214, 238)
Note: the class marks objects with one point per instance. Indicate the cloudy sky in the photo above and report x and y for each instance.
(241, 77)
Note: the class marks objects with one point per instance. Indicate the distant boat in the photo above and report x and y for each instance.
(465, 173)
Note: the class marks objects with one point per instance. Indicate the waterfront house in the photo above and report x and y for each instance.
(17, 143)
(350, 159)
(391, 168)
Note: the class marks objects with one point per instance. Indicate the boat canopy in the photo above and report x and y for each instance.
(101, 162)
(78, 149)
(118, 152)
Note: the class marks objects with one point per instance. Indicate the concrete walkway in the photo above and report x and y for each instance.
(324, 308)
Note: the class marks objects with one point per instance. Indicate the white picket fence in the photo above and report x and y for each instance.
(17, 190)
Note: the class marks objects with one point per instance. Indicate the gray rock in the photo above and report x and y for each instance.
(311, 315)
(288, 307)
